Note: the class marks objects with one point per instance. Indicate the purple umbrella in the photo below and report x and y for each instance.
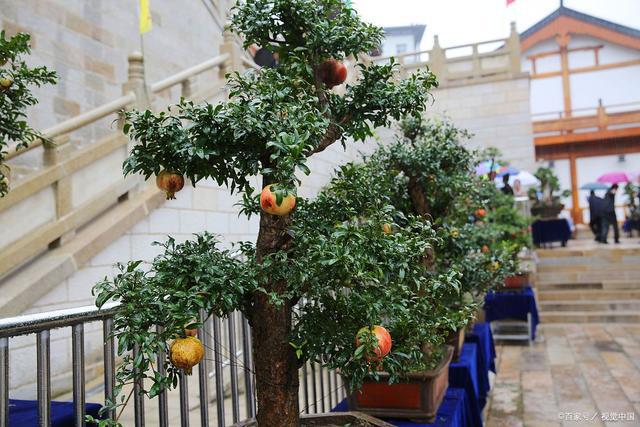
(614, 177)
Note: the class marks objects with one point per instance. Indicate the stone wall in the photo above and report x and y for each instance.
(496, 112)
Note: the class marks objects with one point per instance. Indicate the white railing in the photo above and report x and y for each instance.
(464, 63)
(228, 362)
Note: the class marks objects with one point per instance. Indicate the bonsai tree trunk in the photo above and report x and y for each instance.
(418, 199)
(275, 362)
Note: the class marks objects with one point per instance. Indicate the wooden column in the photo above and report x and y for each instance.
(576, 212)
(563, 43)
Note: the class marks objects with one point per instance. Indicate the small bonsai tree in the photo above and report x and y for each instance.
(631, 191)
(274, 121)
(433, 176)
(547, 204)
(16, 80)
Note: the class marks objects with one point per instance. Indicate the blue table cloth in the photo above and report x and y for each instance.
(464, 374)
(454, 411)
(512, 305)
(24, 413)
(550, 230)
(482, 337)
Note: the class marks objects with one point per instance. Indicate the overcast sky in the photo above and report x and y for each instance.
(470, 21)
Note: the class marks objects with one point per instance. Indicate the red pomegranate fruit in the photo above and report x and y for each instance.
(170, 183)
(333, 72)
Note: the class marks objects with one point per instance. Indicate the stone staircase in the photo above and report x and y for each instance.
(586, 283)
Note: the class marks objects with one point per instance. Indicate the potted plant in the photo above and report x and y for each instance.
(547, 205)
(273, 122)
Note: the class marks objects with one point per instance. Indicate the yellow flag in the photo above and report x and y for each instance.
(145, 16)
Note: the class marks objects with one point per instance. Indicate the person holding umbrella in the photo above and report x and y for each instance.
(609, 216)
(595, 214)
(506, 188)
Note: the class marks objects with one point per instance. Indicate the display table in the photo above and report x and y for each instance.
(547, 231)
(515, 305)
(24, 413)
(464, 374)
(453, 412)
(481, 336)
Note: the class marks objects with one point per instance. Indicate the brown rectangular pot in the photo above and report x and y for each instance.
(418, 398)
(517, 281)
(456, 340)
(338, 419)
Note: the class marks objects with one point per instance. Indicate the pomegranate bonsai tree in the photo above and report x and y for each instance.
(274, 121)
(16, 82)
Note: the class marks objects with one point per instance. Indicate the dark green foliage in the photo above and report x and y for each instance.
(15, 99)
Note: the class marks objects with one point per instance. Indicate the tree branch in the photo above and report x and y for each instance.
(418, 199)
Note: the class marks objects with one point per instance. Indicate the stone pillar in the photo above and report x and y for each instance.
(438, 61)
(513, 43)
(136, 81)
(230, 45)
(57, 152)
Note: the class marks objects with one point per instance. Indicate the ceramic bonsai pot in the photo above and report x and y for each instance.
(456, 340)
(338, 419)
(417, 398)
(517, 281)
(547, 211)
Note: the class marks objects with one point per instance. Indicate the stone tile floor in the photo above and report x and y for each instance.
(584, 370)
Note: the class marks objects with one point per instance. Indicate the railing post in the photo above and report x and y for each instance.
(4, 382)
(230, 46)
(56, 153)
(438, 61)
(475, 61)
(513, 43)
(136, 83)
(602, 116)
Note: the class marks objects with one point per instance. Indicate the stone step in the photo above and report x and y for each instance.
(589, 267)
(587, 294)
(591, 317)
(602, 284)
(590, 306)
(544, 286)
(611, 251)
(587, 276)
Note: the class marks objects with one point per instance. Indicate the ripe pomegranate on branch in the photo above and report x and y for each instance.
(274, 120)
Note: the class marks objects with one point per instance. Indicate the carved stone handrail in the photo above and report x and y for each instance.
(189, 73)
(481, 65)
(79, 121)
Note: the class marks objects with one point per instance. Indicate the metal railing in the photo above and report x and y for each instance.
(228, 362)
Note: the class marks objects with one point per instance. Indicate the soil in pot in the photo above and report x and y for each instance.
(417, 398)
(338, 419)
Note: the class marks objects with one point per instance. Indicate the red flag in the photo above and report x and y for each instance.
(509, 2)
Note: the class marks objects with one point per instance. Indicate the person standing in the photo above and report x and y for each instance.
(595, 214)
(609, 216)
(506, 188)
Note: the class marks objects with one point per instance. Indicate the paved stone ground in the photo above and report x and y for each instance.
(583, 370)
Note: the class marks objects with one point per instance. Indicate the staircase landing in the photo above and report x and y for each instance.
(587, 282)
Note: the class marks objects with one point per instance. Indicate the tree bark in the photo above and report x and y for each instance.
(275, 362)
(418, 199)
